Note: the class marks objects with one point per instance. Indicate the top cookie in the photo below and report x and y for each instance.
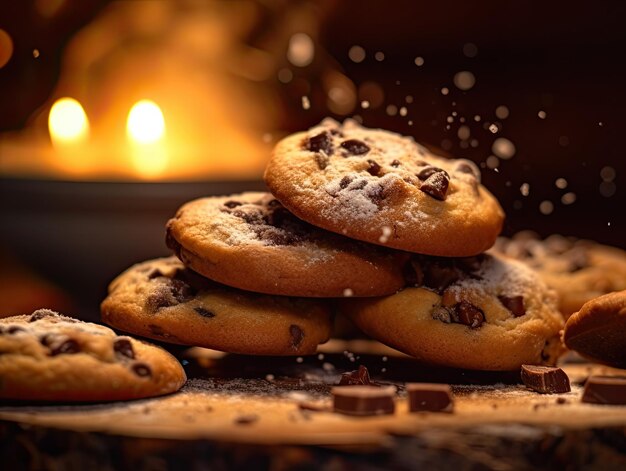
(380, 187)
(579, 270)
(46, 356)
(250, 241)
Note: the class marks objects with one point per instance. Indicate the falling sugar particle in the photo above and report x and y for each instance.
(542, 114)
(356, 54)
(546, 207)
(306, 103)
(477, 118)
(600, 123)
(454, 113)
(607, 189)
(492, 162)
(419, 61)
(328, 367)
(448, 127)
(493, 128)
(392, 110)
(503, 148)
(561, 183)
(502, 112)
(568, 198)
(347, 293)
(517, 205)
(450, 119)
(299, 360)
(285, 75)
(365, 104)
(464, 80)
(608, 174)
(320, 356)
(301, 50)
(35, 53)
(508, 184)
(470, 50)
(269, 377)
(410, 123)
(445, 91)
(386, 232)
(608, 224)
(267, 138)
(463, 132)
(474, 143)
(403, 111)
(408, 99)
(383, 370)
(524, 189)
(379, 56)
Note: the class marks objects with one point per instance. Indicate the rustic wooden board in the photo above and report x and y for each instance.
(233, 398)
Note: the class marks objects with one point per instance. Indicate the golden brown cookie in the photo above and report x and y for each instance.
(250, 241)
(483, 313)
(162, 299)
(579, 270)
(598, 330)
(50, 357)
(379, 187)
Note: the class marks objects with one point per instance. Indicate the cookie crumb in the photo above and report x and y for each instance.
(385, 235)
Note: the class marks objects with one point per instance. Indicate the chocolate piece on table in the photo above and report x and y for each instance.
(364, 400)
(545, 379)
(357, 377)
(605, 390)
(430, 397)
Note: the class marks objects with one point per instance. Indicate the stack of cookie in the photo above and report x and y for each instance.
(369, 218)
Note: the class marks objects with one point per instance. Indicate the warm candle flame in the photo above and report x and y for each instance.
(67, 121)
(145, 128)
(145, 122)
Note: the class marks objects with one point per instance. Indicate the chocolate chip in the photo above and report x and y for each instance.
(155, 274)
(429, 171)
(124, 347)
(321, 142)
(67, 346)
(395, 163)
(605, 390)
(363, 400)
(436, 186)
(246, 419)
(40, 314)
(356, 377)
(142, 370)
(253, 216)
(345, 181)
(355, 147)
(515, 304)
(376, 194)
(373, 168)
(232, 204)
(439, 275)
(297, 336)
(204, 312)
(545, 379)
(14, 329)
(428, 397)
(159, 299)
(469, 315)
(181, 291)
(279, 237)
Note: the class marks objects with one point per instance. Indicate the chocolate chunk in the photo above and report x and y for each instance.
(515, 304)
(376, 194)
(141, 369)
(438, 275)
(373, 168)
(159, 299)
(322, 161)
(605, 390)
(64, 346)
(278, 236)
(40, 314)
(297, 336)
(429, 397)
(14, 329)
(395, 163)
(436, 186)
(124, 347)
(429, 171)
(155, 274)
(246, 419)
(545, 379)
(232, 204)
(321, 142)
(471, 263)
(469, 315)
(345, 181)
(363, 400)
(356, 377)
(204, 312)
(355, 147)
(252, 216)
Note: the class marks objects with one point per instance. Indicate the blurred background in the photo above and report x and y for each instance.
(113, 113)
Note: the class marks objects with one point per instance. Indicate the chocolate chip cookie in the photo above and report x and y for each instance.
(579, 270)
(162, 299)
(382, 188)
(50, 357)
(250, 241)
(597, 331)
(484, 313)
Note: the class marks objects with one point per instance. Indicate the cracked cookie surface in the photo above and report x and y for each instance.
(383, 188)
(49, 357)
(164, 300)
